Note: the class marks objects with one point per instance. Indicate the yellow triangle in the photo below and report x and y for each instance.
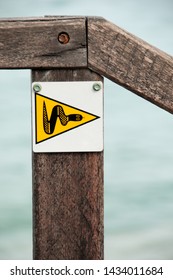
(53, 117)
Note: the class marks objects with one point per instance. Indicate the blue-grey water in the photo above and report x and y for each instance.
(138, 142)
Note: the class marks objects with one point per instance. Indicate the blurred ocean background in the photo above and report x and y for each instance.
(138, 142)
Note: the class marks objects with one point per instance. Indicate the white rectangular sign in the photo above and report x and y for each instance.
(67, 116)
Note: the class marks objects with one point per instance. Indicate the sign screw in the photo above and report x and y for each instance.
(36, 87)
(96, 87)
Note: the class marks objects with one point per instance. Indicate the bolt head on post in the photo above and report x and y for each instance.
(63, 38)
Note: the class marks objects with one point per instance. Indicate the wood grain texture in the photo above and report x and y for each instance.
(32, 43)
(130, 62)
(67, 194)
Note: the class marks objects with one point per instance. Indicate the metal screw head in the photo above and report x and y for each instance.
(37, 87)
(63, 38)
(96, 86)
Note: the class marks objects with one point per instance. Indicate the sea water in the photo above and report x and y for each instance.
(138, 142)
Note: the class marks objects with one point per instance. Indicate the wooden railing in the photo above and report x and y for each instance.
(68, 187)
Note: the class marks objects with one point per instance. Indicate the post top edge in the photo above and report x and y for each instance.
(43, 18)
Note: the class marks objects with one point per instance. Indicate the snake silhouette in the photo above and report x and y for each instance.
(57, 112)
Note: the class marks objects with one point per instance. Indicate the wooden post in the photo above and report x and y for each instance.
(67, 194)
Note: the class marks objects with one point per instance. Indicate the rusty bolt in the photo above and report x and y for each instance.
(63, 38)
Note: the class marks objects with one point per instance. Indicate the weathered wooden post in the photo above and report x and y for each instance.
(68, 185)
(68, 193)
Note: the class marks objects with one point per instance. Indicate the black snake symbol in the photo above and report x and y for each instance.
(57, 112)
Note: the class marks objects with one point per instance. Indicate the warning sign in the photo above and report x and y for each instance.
(54, 118)
(62, 119)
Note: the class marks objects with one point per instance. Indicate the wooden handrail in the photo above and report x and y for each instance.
(95, 43)
(33, 43)
(130, 62)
